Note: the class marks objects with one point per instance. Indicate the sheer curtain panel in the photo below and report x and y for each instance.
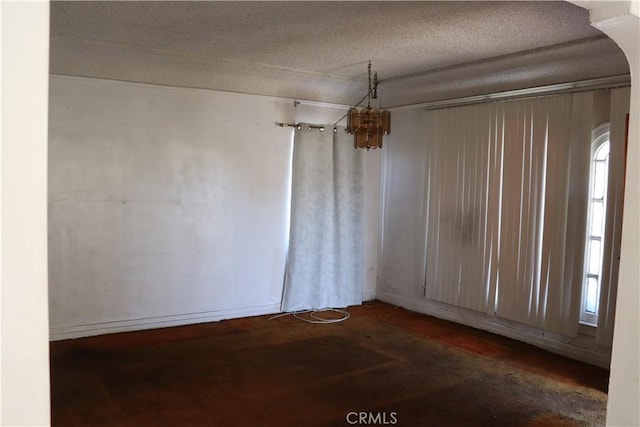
(325, 261)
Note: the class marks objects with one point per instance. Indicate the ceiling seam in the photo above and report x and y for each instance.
(166, 52)
(513, 55)
(288, 99)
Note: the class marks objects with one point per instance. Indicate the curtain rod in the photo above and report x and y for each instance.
(320, 104)
(299, 126)
(555, 89)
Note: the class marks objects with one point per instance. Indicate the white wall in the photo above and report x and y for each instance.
(624, 382)
(24, 370)
(169, 205)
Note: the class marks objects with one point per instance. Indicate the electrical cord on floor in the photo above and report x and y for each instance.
(314, 318)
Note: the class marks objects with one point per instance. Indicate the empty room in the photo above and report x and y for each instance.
(320, 213)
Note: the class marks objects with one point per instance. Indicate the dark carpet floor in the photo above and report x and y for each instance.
(384, 366)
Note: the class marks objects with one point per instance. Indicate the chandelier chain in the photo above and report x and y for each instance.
(369, 93)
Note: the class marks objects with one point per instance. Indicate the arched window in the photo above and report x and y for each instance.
(595, 226)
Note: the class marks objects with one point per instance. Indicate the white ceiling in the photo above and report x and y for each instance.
(315, 50)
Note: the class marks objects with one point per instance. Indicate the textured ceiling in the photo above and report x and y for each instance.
(318, 50)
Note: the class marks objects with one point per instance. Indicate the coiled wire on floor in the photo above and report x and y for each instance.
(313, 318)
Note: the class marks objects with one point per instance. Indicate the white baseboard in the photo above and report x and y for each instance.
(582, 348)
(86, 330)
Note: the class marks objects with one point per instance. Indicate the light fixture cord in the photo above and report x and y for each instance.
(363, 98)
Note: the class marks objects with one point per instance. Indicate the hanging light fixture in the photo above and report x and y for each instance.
(368, 125)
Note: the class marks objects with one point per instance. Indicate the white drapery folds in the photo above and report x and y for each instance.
(506, 208)
(325, 261)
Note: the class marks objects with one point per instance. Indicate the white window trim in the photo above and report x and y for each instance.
(600, 136)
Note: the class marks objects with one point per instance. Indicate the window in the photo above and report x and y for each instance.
(595, 226)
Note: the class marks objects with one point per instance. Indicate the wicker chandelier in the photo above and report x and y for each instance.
(368, 125)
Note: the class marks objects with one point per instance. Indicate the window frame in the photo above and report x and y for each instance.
(600, 137)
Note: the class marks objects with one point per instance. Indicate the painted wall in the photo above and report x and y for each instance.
(624, 382)
(24, 347)
(169, 205)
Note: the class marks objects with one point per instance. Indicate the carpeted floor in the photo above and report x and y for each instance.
(384, 365)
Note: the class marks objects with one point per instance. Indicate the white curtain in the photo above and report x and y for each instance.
(506, 194)
(325, 260)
